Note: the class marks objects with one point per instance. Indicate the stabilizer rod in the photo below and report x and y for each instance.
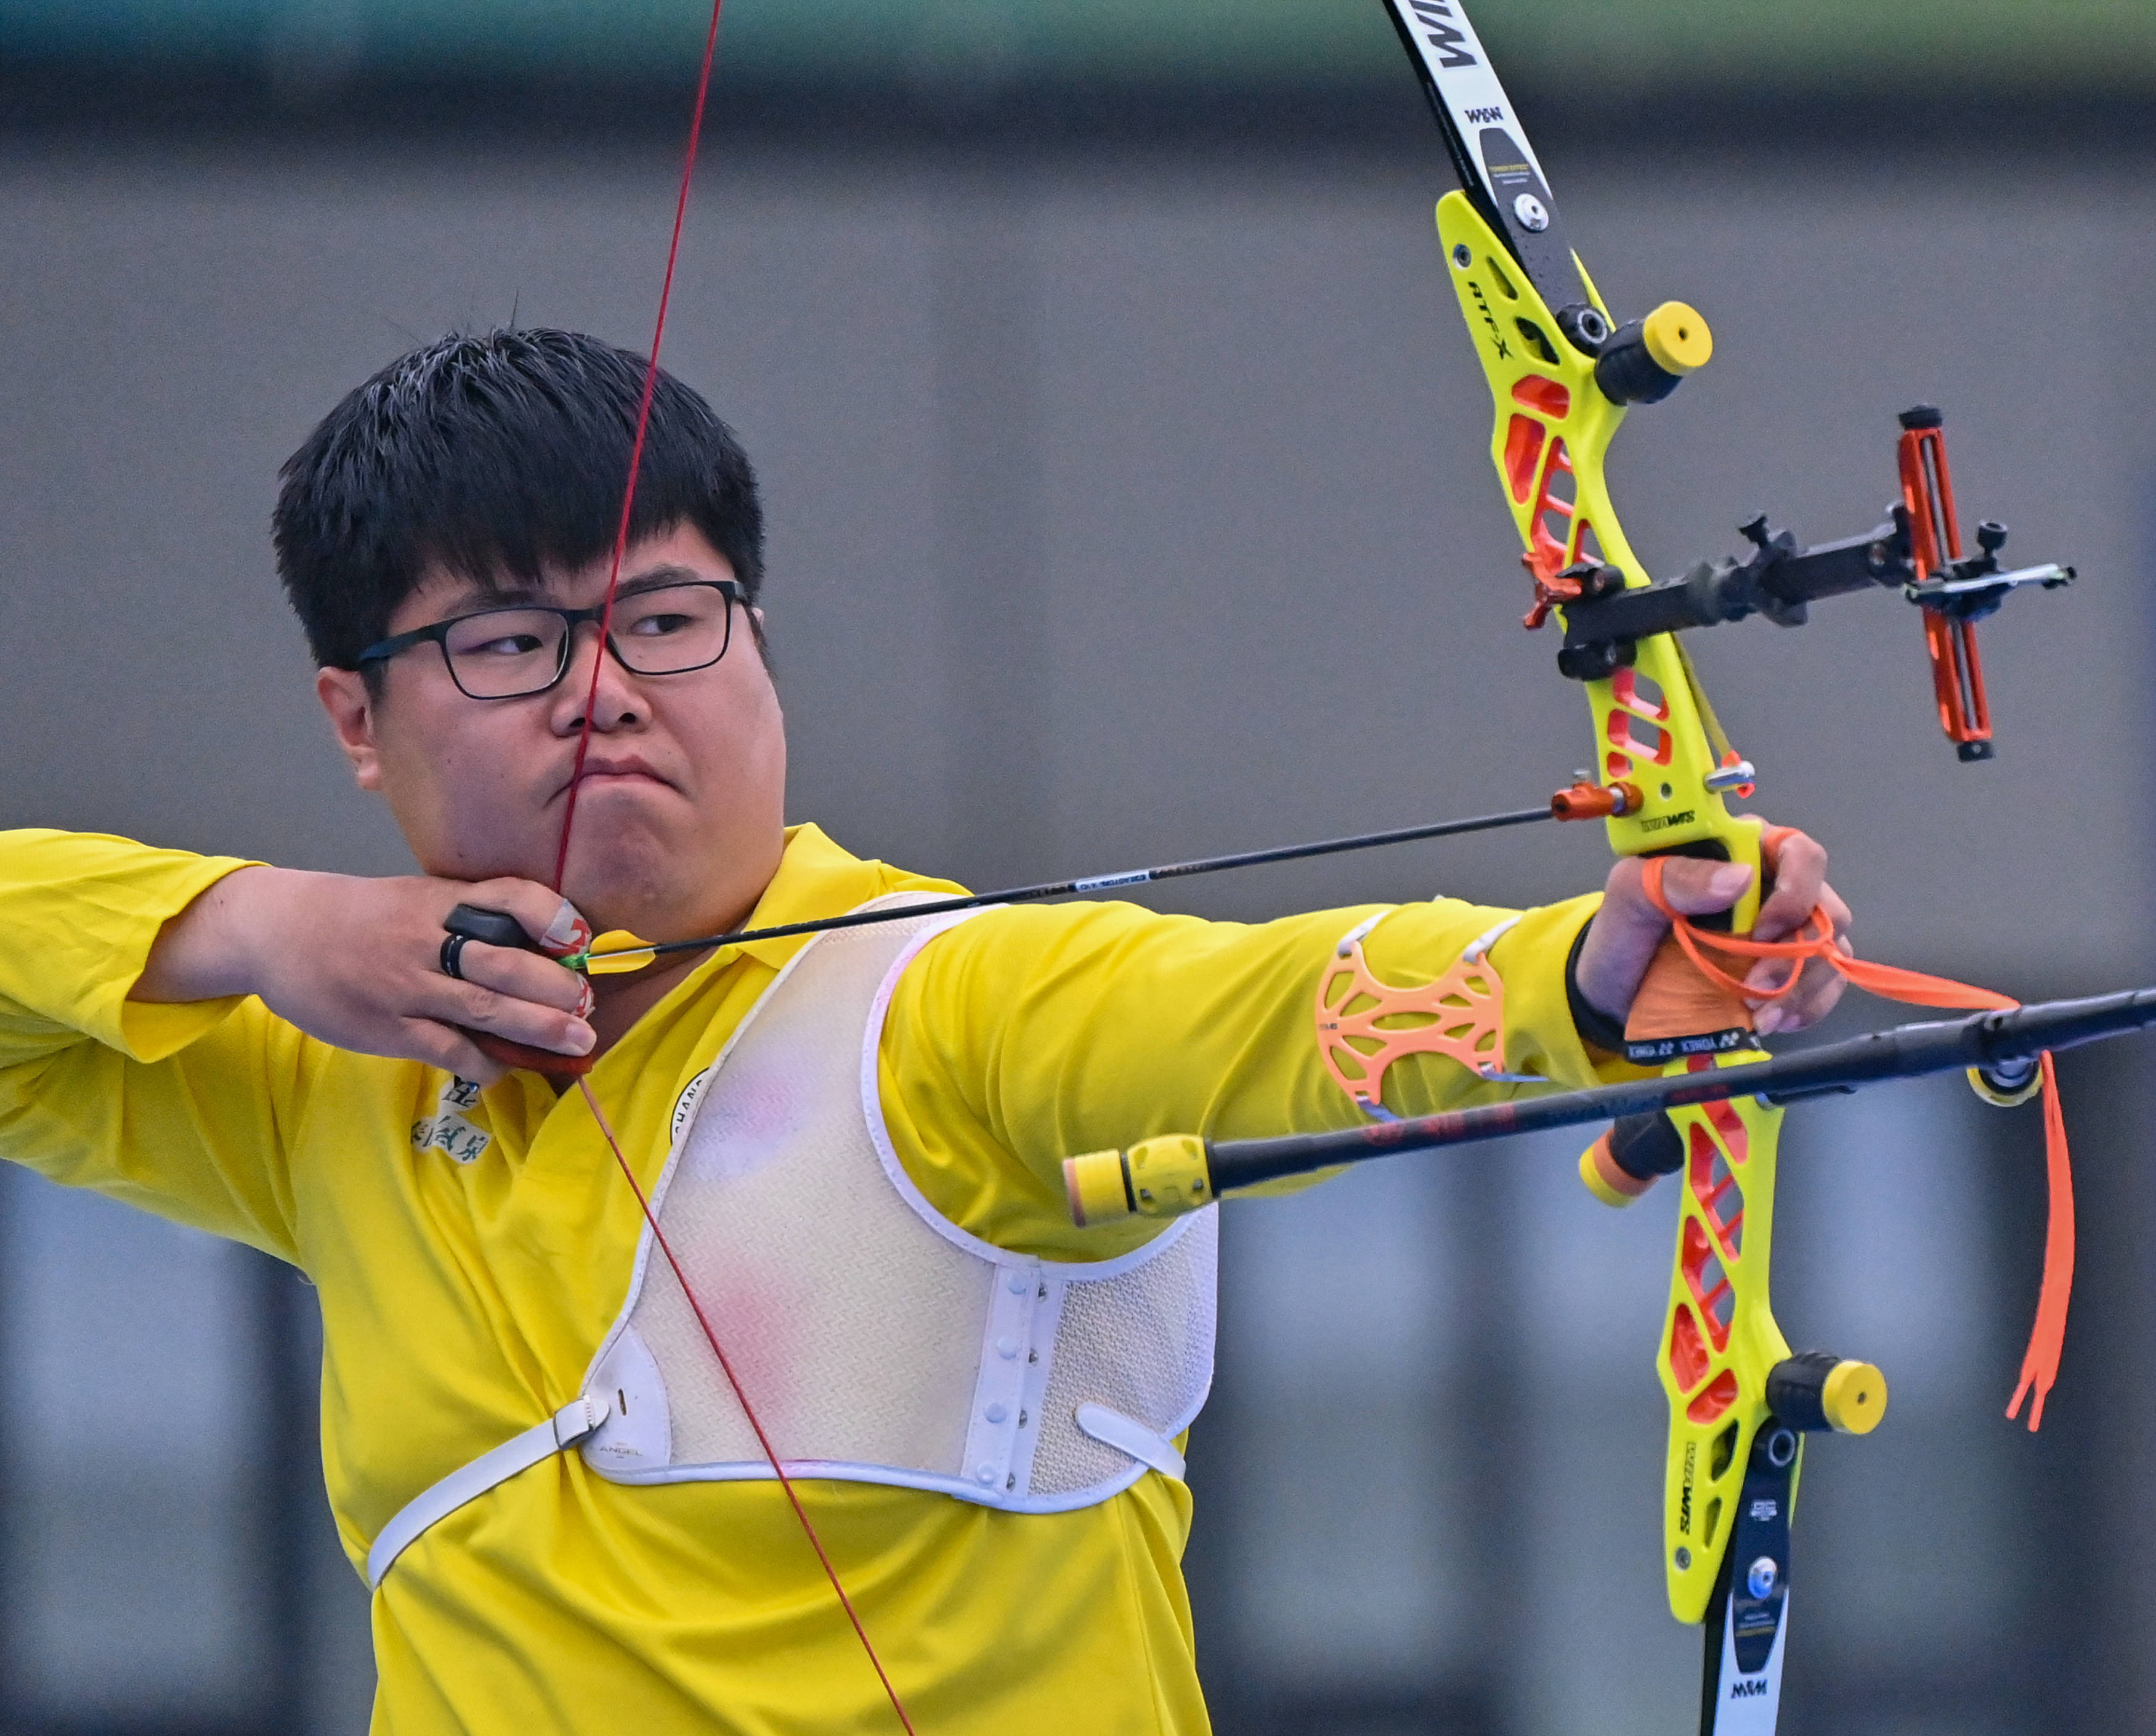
(1180, 1171)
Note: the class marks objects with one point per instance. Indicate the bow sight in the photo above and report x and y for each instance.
(1916, 549)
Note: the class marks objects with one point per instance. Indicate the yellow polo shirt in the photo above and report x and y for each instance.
(468, 1269)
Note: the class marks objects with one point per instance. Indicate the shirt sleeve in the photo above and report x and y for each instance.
(1030, 1035)
(174, 1109)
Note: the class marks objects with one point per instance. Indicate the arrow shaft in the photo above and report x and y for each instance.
(1108, 882)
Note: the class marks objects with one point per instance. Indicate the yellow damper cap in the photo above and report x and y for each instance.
(1097, 1191)
(616, 951)
(1854, 1398)
(1677, 338)
(1606, 1179)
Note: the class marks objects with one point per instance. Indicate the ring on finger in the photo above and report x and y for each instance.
(453, 949)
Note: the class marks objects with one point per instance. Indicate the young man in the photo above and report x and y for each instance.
(864, 1191)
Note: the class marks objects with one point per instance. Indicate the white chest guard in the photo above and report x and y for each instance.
(879, 1341)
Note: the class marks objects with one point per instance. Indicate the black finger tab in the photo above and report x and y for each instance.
(490, 928)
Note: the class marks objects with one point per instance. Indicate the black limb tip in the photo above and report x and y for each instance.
(1646, 1147)
(1796, 1388)
(489, 927)
(1923, 415)
(1627, 374)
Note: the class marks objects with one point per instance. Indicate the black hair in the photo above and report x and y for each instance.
(494, 457)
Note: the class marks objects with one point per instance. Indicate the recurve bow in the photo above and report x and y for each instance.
(1563, 372)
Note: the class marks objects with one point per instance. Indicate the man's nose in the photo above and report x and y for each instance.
(613, 695)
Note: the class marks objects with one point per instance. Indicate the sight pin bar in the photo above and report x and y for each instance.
(1916, 551)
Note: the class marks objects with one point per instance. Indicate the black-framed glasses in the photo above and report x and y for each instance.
(522, 649)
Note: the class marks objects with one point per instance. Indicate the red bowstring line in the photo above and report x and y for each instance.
(748, 1410)
(636, 445)
(2040, 1361)
(561, 863)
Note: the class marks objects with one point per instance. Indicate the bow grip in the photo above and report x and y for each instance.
(498, 928)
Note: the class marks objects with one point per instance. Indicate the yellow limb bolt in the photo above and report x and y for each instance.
(1163, 1177)
(616, 951)
(1677, 338)
(1854, 1398)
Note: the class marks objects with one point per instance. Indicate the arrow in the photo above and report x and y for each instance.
(620, 950)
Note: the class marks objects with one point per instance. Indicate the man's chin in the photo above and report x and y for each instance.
(617, 871)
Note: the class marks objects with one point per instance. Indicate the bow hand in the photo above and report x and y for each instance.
(1629, 929)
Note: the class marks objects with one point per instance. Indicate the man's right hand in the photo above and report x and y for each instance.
(357, 963)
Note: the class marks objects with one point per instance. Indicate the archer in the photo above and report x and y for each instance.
(850, 1143)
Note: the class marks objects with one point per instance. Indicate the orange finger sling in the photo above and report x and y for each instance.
(2039, 1363)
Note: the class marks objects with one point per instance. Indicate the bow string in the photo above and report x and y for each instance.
(643, 1203)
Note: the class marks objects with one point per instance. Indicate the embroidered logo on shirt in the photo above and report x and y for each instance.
(447, 1130)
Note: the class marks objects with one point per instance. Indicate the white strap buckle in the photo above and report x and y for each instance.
(579, 1417)
(564, 1428)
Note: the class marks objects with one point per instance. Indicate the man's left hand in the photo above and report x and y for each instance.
(1628, 928)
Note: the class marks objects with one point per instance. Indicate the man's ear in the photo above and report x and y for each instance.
(344, 695)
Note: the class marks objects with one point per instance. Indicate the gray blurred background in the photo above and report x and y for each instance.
(1130, 498)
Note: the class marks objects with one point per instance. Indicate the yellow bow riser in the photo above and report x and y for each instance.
(1658, 743)
(1654, 732)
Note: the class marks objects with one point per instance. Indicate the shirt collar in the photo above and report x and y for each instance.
(816, 878)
